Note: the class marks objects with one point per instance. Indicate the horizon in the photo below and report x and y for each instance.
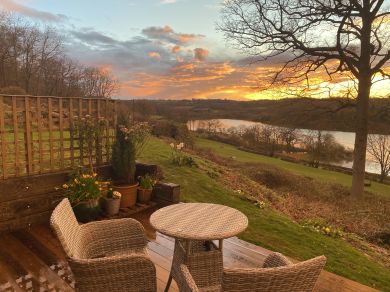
(158, 49)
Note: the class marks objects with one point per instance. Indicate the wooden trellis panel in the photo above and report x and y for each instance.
(36, 134)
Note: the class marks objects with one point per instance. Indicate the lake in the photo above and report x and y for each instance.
(347, 139)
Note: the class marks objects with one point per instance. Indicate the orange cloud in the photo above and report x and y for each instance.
(155, 55)
(200, 54)
(167, 34)
(176, 49)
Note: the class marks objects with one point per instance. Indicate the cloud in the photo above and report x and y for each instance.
(155, 55)
(13, 6)
(167, 34)
(200, 54)
(92, 37)
(176, 49)
(156, 65)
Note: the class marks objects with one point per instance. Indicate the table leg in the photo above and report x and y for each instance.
(220, 245)
(188, 247)
(168, 283)
(187, 251)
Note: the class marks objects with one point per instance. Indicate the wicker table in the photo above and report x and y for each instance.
(195, 222)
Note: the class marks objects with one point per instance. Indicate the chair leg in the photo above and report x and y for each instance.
(168, 283)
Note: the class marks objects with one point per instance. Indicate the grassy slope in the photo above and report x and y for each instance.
(227, 150)
(266, 227)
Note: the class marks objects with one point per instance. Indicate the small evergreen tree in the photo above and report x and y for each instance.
(124, 152)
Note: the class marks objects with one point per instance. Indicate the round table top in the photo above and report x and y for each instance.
(199, 221)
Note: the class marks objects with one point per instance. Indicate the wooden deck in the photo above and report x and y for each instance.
(33, 260)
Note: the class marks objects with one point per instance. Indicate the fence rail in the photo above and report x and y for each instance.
(36, 134)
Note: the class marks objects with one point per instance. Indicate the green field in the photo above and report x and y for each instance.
(226, 150)
(268, 228)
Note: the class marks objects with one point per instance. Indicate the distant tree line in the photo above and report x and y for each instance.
(318, 146)
(323, 114)
(33, 61)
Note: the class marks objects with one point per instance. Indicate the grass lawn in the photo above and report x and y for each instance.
(323, 175)
(268, 228)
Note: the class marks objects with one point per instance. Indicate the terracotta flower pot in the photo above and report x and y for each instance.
(129, 195)
(111, 206)
(144, 195)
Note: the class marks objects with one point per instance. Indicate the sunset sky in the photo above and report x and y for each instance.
(167, 49)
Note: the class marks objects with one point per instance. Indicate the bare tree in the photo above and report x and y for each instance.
(379, 148)
(212, 126)
(289, 137)
(98, 83)
(32, 60)
(338, 36)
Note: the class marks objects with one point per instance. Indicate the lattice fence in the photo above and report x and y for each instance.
(36, 133)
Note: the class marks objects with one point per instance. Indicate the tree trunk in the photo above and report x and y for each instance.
(361, 131)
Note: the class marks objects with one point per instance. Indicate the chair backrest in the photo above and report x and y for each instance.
(300, 277)
(66, 227)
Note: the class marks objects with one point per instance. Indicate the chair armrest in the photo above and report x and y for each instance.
(186, 282)
(276, 259)
(109, 236)
(116, 273)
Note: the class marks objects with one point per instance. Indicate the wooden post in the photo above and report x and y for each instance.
(62, 156)
(27, 128)
(107, 132)
(50, 116)
(39, 114)
(81, 148)
(71, 136)
(90, 106)
(3, 140)
(16, 134)
(98, 147)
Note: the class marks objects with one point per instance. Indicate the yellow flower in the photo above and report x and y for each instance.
(65, 186)
(327, 229)
(96, 182)
(76, 181)
(94, 174)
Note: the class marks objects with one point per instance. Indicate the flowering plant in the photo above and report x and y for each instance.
(130, 140)
(83, 186)
(178, 157)
(321, 227)
(110, 193)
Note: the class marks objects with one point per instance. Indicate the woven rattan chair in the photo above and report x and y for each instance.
(204, 261)
(107, 255)
(277, 274)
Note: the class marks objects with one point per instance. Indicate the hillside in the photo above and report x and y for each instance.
(323, 114)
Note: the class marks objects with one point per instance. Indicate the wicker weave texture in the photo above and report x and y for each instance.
(205, 263)
(106, 255)
(199, 221)
(300, 277)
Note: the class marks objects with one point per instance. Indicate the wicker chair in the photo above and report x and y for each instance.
(106, 255)
(205, 261)
(277, 274)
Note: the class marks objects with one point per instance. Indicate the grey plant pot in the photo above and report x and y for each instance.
(111, 206)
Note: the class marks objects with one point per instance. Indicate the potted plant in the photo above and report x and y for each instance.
(146, 184)
(84, 191)
(111, 202)
(130, 137)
